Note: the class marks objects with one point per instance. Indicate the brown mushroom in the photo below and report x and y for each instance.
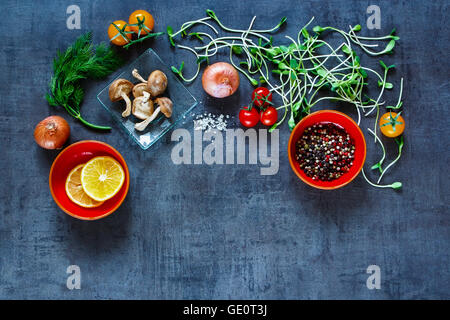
(119, 90)
(136, 74)
(156, 83)
(139, 89)
(165, 106)
(143, 106)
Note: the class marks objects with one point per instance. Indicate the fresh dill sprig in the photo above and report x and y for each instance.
(80, 61)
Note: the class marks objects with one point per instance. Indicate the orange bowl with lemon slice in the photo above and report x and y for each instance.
(105, 174)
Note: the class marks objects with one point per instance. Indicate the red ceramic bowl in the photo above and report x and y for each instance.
(353, 130)
(69, 158)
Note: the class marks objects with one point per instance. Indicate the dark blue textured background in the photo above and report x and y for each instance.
(224, 231)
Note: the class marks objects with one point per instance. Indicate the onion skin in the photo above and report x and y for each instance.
(52, 132)
(220, 80)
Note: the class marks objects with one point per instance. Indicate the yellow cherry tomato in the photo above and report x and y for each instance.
(115, 36)
(143, 20)
(392, 124)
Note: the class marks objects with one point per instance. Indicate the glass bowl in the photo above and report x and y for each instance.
(183, 101)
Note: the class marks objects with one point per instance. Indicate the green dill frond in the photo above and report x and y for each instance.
(80, 61)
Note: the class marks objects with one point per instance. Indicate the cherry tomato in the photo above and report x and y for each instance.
(269, 116)
(112, 32)
(144, 20)
(392, 124)
(249, 118)
(261, 97)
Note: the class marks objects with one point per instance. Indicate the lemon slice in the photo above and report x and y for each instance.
(75, 190)
(102, 178)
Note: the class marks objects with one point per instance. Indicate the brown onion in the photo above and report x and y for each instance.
(52, 132)
(220, 80)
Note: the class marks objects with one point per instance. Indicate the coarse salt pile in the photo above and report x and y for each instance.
(208, 121)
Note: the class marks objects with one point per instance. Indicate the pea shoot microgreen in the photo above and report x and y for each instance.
(237, 50)
(299, 70)
(396, 185)
(379, 164)
(400, 143)
(387, 85)
(202, 59)
(178, 71)
(385, 67)
(196, 35)
(399, 101)
(169, 31)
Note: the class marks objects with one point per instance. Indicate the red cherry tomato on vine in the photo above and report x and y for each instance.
(269, 116)
(261, 97)
(249, 118)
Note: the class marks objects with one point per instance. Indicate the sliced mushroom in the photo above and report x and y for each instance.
(157, 83)
(165, 106)
(139, 89)
(119, 90)
(143, 106)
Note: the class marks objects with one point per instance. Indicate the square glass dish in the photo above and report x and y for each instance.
(183, 101)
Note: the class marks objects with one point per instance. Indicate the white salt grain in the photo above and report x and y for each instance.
(209, 122)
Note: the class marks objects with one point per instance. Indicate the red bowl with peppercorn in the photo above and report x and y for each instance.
(327, 149)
